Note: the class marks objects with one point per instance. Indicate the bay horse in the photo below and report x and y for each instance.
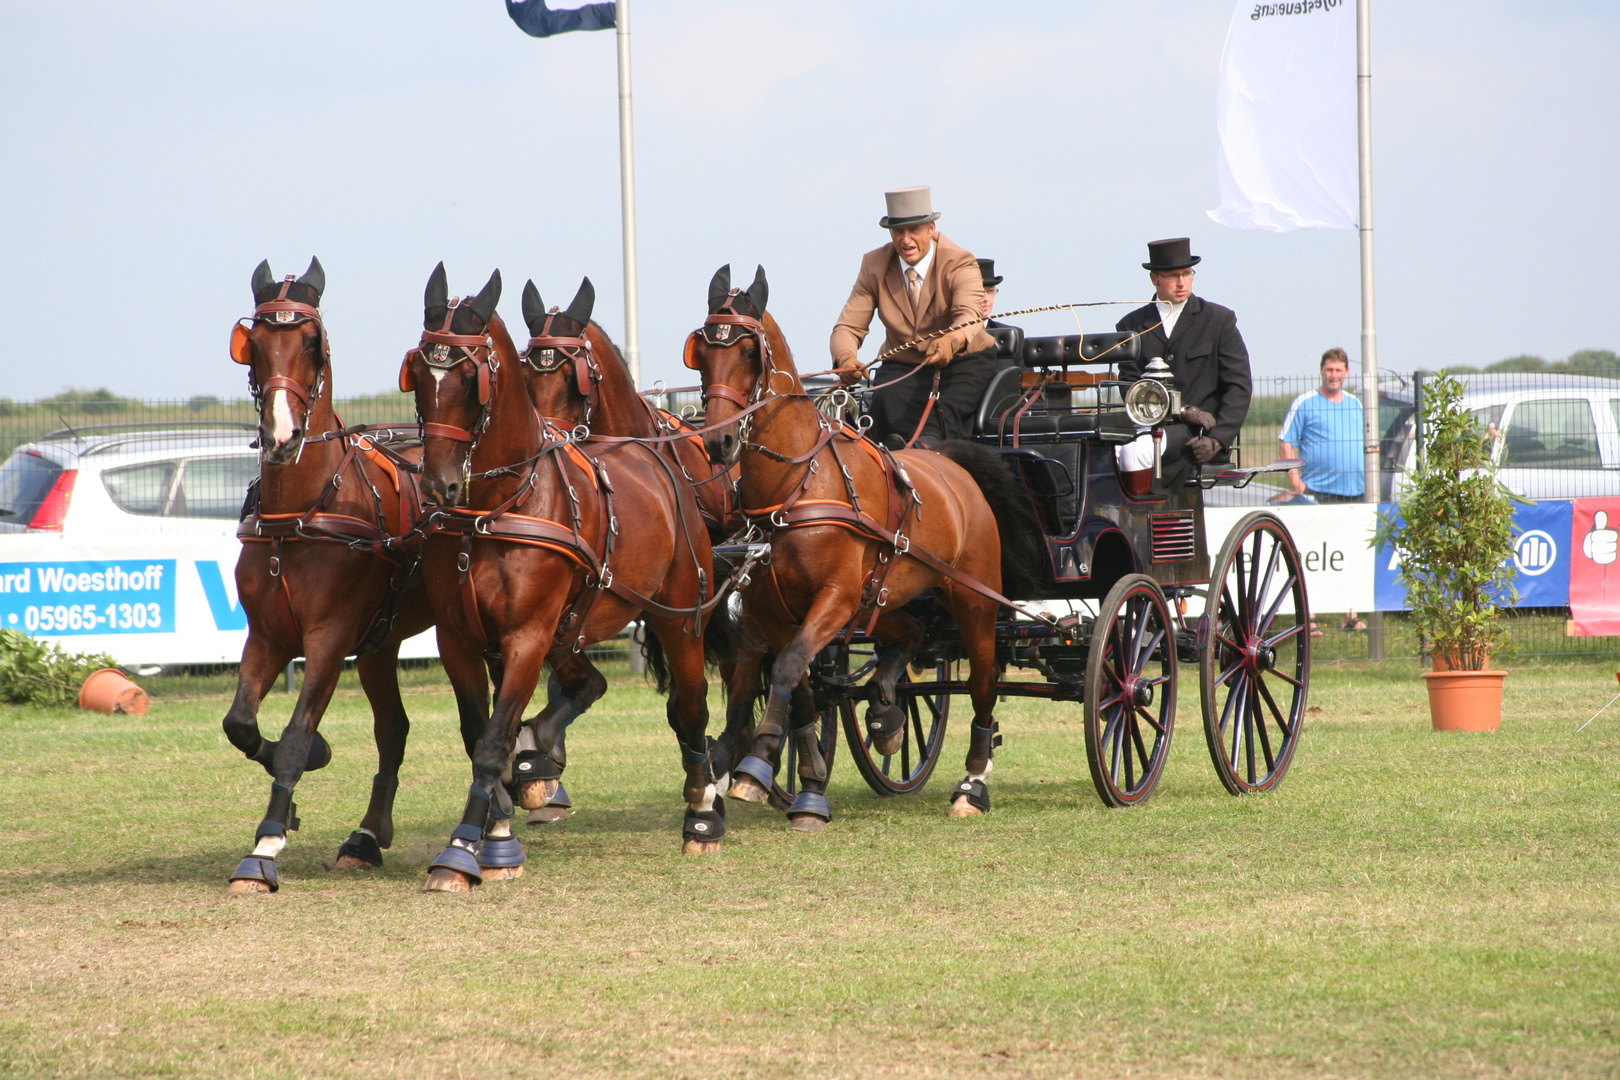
(321, 574)
(525, 559)
(579, 380)
(954, 520)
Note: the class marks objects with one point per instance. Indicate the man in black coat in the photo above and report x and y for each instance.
(1201, 344)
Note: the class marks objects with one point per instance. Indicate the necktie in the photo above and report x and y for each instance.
(913, 286)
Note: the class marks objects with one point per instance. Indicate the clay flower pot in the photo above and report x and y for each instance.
(1465, 700)
(108, 691)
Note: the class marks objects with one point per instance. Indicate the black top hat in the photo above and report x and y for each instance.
(1175, 254)
(987, 271)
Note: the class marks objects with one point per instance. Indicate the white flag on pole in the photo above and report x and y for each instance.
(1285, 108)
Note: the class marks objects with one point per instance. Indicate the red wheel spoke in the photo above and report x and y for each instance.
(1287, 678)
(1226, 674)
(1250, 714)
(1271, 612)
(1142, 711)
(1293, 631)
(1141, 749)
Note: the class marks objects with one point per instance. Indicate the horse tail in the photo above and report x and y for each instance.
(1015, 518)
(657, 663)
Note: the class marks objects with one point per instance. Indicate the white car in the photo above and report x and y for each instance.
(89, 483)
(1557, 436)
(123, 540)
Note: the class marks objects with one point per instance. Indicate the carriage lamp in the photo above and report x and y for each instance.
(1153, 399)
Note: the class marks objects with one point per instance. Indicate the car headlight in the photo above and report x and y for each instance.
(1147, 402)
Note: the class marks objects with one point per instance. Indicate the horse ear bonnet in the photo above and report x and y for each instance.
(437, 296)
(262, 280)
(719, 286)
(314, 277)
(759, 291)
(534, 308)
(584, 302)
(483, 304)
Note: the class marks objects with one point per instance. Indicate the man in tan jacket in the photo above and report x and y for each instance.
(919, 283)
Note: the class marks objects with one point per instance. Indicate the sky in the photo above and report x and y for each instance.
(152, 154)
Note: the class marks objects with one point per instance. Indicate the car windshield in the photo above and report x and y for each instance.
(25, 480)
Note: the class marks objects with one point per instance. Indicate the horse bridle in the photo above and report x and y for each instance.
(282, 312)
(548, 353)
(720, 329)
(434, 349)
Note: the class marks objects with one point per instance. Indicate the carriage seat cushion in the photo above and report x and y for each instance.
(1109, 348)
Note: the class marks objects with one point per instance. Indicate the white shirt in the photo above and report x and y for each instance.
(1168, 314)
(922, 265)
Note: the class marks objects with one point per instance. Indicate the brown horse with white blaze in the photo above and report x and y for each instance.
(526, 560)
(943, 521)
(321, 574)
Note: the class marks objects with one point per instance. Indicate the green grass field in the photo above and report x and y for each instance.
(1408, 904)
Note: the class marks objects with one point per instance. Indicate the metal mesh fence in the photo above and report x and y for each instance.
(1557, 435)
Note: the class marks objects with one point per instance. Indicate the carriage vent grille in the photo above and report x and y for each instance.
(1174, 538)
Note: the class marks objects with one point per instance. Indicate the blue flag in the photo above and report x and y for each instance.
(537, 20)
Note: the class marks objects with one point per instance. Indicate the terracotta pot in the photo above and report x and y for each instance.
(1450, 661)
(1465, 700)
(108, 691)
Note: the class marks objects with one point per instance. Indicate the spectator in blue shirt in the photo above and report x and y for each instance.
(1324, 427)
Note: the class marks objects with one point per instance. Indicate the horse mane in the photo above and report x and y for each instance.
(505, 348)
(781, 353)
(617, 391)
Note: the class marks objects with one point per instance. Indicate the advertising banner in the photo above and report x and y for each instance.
(1333, 546)
(147, 599)
(1541, 558)
(1594, 576)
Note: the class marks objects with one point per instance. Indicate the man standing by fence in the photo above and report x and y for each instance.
(1323, 426)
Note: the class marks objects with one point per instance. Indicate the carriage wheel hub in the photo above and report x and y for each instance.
(1264, 657)
(1142, 693)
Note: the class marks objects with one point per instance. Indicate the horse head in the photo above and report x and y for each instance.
(735, 350)
(452, 372)
(283, 345)
(565, 369)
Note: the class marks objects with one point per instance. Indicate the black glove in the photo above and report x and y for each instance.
(1202, 448)
(1192, 414)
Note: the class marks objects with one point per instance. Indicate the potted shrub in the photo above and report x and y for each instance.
(1454, 532)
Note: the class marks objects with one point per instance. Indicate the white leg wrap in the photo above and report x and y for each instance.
(270, 846)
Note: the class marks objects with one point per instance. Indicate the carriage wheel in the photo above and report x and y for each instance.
(1130, 691)
(926, 715)
(1254, 669)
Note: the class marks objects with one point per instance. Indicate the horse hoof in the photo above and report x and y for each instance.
(349, 862)
(806, 823)
(243, 887)
(960, 807)
(889, 745)
(548, 815)
(533, 794)
(700, 847)
(443, 879)
(746, 789)
(502, 873)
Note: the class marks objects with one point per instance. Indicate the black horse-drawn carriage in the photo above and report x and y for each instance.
(1127, 592)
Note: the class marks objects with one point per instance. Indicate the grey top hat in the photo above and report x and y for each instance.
(908, 206)
(1174, 254)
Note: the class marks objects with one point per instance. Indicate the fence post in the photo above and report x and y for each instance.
(289, 681)
(638, 658)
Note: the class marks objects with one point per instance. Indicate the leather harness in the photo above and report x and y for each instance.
(317, 524)
(797, 511)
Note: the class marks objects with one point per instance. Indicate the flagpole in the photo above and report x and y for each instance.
(1369, 336)
(627, 193)
(1369, 333)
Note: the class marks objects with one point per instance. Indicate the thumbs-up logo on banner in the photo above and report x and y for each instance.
(1602, 544)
